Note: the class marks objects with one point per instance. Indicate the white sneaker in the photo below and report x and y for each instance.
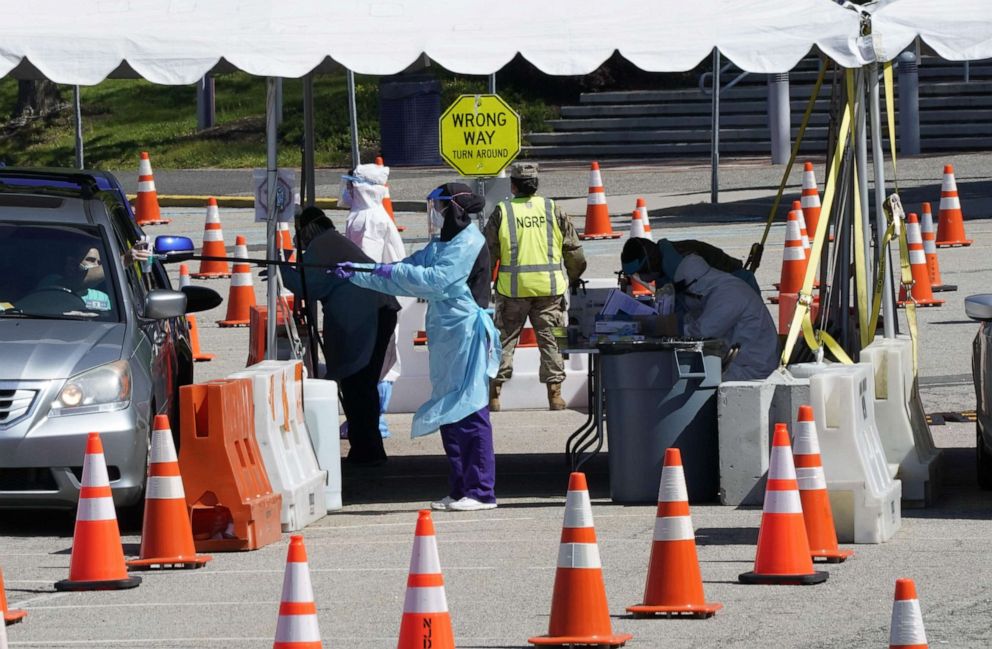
(443, 504)
(467, 504)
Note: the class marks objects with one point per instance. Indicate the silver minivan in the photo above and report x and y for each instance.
(90, 340)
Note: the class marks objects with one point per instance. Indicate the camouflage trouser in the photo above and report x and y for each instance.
(544, 313)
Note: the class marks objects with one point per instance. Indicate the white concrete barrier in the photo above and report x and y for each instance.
(287, 452)
(901, 421)
(320, 407)
(865, 499)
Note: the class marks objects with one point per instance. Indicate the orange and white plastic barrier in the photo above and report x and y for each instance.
(283, 439)
(322, 414)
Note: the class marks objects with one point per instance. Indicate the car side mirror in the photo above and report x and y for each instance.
(201, 298)
(162, 304)
(170, 249)
(978, 307)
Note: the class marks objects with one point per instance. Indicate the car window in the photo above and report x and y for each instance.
(127, 235)
(56, 271)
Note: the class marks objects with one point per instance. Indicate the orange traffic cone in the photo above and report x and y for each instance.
(183, 276)
(636, 225)
(598, 224)
(906, 630)
(937, 284)
(297, 626)
(166, 531)
(643, 209)
(241, 297)
(146, 210)
(10, 616)
(97, 561)
(194, 340)
(794, 256)
(387, 201)
(950, 223)
(285, 238)
(783, 555)
(810, 200)
(426, 621)
(803, 232)
(921, 293)
(579, 612)
(3, 636)
(213, 245)
(817, 514)
(674, 585)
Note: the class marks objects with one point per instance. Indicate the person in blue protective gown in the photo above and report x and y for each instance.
(451, 274)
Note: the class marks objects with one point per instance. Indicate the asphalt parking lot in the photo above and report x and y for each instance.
(499, 566)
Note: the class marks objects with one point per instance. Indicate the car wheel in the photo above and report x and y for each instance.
(984, 463)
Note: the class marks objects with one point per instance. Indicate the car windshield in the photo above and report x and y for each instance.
(56, 271)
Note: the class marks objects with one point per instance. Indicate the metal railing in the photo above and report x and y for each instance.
(705, 83)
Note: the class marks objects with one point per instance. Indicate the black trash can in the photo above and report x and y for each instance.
(409, 109)
(661, 394)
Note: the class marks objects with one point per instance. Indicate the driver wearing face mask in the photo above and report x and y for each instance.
(80, 272)
(713, 303)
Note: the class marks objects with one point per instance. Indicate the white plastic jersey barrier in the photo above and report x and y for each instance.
(865, 499)
(523, 391)
(902, 423)
(320, 406)
(277, 388)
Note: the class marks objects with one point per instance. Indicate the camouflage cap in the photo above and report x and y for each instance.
(523, 170)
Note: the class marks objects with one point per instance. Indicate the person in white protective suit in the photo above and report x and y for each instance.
(370, 227)
(719, 305)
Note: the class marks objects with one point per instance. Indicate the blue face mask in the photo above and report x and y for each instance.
(631, 267)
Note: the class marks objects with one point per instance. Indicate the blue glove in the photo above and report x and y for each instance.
(383, 270)
(344, 271)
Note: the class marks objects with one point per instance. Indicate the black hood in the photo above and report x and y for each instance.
(459, 210)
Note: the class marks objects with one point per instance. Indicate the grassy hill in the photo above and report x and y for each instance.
(123, 117)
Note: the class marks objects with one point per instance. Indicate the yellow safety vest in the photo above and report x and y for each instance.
(530, 249)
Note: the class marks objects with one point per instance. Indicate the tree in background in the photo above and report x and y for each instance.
(36, 98)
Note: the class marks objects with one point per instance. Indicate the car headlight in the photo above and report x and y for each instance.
(101, 389)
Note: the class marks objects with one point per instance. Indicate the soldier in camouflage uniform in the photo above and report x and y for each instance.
(539, 257)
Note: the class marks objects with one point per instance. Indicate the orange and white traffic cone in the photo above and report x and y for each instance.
(636, 225)
(674, 585)
(598, 224)
(950, 223)
(906, 629)
(194, 340)
(642, 207)
(921, 293)
(297, 626)
(183, 276)
(937, 284)
(166, 531)
(97, 561)
(810, 200)
(579, 612)
(783, 555)
(426, 620)
(213, 245)
(10, 616)
(3, 636)
(803, 232)
(241, 297)
(146, 211)
(387, 201)
(794, 262)
(817, 513)
(285, 239)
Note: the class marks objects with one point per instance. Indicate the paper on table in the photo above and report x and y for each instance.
(620, 302)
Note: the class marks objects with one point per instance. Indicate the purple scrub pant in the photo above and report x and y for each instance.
(468, 444)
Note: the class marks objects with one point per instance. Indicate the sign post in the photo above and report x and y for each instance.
(479, 135)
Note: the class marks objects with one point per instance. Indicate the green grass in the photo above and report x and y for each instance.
(121, 118)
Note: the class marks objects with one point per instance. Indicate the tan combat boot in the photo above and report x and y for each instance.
(494, 389)
(555, 402)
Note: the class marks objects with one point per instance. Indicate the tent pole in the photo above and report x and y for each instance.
(492, 84)
(272, 287)
(715, 132)
(77, 105)
(356, 157)
(888, 321)
(309, 142)
(862, 167)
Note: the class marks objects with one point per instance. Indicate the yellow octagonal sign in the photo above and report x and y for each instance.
(479, 135)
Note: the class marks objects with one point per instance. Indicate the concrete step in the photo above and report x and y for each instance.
(701, 107)
(663, 136)
(649, 150)
(945, 88)
(675, 122)
(796, 91)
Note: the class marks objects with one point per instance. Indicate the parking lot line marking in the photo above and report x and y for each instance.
(202, 640)
(149, 604)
